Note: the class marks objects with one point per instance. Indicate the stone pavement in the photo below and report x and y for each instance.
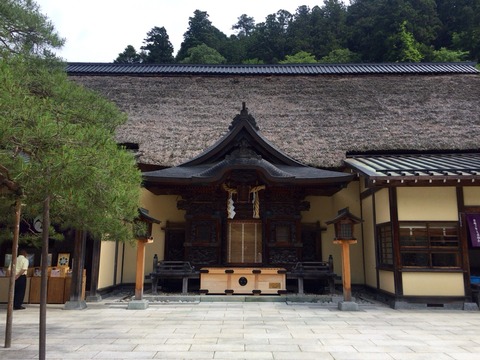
(244, 330)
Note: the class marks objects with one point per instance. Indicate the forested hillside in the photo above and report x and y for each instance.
(332, 32)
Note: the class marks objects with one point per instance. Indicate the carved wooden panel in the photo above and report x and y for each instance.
(283, 255)
(203, 256)
(282, 231)
(203, 231)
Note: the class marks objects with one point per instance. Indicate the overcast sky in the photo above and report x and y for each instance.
(98, 30)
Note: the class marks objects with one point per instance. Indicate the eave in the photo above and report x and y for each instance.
(458, 169)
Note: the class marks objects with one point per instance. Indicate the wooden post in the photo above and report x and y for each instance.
(93, 296)
(346, 271)
(76, 302)
(140, 274)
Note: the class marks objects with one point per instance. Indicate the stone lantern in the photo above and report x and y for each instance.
(344, 223)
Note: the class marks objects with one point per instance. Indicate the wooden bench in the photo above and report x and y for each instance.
(173, 270)
(313, 270)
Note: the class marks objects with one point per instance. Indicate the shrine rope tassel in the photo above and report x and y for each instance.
(230, 205)
(255, 200)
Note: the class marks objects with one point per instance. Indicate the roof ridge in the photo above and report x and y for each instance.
(82, 68)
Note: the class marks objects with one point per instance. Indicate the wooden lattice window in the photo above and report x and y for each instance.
(244, 242)
(430, 244)
(385, 245)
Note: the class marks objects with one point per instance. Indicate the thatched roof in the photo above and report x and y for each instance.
(314, 119)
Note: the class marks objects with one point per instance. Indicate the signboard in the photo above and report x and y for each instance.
(473, 221)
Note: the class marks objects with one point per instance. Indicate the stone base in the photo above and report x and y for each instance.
(403, 305)
(75, 305)
(94, 298)
(470, 306)
(347, 306)
(137, 305)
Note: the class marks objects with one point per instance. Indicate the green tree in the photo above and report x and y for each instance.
(128, 56)
(201, 31)
(202, 54)
(374, 23)
(446, 55)
(404, 47)
(244, 26)
(301, 57)
(158, 48)
(340, 56)
(269, 42)
(253, 62)
(24, 30)
(56, 140)
(57, 146)
(329, 27)
(67, 131)
(460, 28)
(300, 30)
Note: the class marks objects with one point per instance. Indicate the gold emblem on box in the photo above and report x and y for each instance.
(275, 285)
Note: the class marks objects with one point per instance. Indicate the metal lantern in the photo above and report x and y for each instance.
(344, 223)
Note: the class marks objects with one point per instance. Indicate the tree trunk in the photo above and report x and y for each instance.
(13, 265)
(44, 278)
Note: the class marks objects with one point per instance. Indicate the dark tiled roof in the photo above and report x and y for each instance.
(288, 69)
(438, 168)
(202, 174)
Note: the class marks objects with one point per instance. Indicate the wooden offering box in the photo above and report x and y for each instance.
(242, 280)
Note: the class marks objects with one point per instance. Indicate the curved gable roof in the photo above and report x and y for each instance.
(244, 148)
(243, 126)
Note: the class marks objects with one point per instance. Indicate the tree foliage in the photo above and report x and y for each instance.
(445, 55)
(244, 26)
(157, 48)
(25, 30)
(302, 57)
(129, 56)
(404, 46)
(58, 155)
(201, 31)
(56, 139)
(340, 56)
(202, 54)
(371, 30)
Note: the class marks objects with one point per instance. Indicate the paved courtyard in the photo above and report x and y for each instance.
(244, 330)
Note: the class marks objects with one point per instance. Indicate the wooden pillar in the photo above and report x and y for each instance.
(77, 266)
(140, 273)
(93, 296)
(346, 271)
(76, 302)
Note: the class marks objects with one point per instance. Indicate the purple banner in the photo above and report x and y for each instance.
(473, 221)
